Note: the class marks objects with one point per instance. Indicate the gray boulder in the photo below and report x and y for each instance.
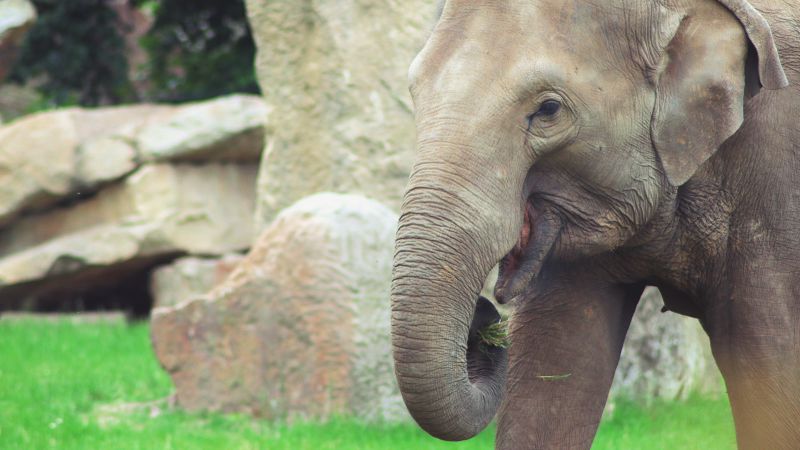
(300, 329)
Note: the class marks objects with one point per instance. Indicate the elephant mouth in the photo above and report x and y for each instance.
(520, 266)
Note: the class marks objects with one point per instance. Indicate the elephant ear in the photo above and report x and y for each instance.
(701, 83)
(770, 71)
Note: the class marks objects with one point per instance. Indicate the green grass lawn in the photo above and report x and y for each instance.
(66, 386)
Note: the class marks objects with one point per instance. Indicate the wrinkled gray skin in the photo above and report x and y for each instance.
(671, 158)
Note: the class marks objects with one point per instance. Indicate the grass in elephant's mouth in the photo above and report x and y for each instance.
(495, 335)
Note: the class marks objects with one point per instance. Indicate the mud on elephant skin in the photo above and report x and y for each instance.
(592, 149)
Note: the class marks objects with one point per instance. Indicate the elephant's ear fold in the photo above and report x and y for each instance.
(770, 70)
(701, 83)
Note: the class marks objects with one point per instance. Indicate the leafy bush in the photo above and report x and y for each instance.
(75, 54)
(199, 49)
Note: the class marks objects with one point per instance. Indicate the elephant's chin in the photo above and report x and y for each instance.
(520, 266)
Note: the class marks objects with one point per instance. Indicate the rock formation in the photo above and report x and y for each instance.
(49, 157)
(301, 327)
(89, 198)
(335, 74)
(190, 278)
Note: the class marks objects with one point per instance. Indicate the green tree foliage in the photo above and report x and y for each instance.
(75, 54)
(199, 49)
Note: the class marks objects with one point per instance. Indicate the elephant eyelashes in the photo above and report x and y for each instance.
(547, 109)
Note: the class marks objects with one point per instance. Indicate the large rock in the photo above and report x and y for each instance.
(159, 211)
(47, 157)
(36, 160)
(301, 327)
(335, 74)
(16, 17)
(189, 278)
(226, 129)
(40, 154)
(666, 356)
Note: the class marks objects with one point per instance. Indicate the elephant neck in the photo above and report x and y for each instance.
(739, 210)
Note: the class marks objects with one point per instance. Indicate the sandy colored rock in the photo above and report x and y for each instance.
(666, 356)
(37, 155)
(225, 129)
(52, 156)
(40, 161)
(105, 159)
(117, 120)
(301, 327)
(16, 18)
(335, 75)
(158, 211)
(189, 278)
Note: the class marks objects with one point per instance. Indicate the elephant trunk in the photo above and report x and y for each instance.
(450, 383)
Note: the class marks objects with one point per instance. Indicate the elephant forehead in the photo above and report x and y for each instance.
(516, 46)
(574, 23)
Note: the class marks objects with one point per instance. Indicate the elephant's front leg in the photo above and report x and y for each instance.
(756, 343)
(566, 342)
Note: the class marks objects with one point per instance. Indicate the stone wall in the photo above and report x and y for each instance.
(335, 74)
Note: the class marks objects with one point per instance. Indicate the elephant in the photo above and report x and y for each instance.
(591, 149)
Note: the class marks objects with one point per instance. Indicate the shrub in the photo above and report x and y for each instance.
(199, 49)
(75, 54)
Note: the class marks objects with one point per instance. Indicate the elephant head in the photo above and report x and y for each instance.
(548, 131)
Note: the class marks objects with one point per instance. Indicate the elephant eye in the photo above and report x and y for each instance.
(547, 109)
